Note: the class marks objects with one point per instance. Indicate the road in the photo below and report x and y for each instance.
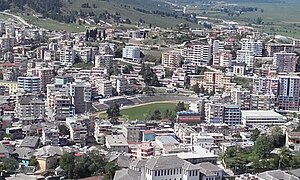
(17, 17)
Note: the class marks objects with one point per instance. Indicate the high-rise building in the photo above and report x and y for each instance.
(202, 55)
(29, 106)
(67, 56)
(29, 84)
(81, 95)
(276, 48)
(218, 46)
(171, 58)
(241, 97)
(262, 101)
(132, 53)
(104, 61)
(246, 56)
(288, 93)
(223, 113)
(252, 45)
(285, 62)
(46, 75)
(265, 85)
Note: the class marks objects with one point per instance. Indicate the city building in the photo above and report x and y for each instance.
(29, 84)
(116, 143)
(81, 95)
(285, 62)
(102, 129)
(201, 54)
(288, 93)
(219, 113)
(292, 140)
(246, 56)
(132, 53)
(188, 117)
(171, 167)
(30, 106)
(142, 151)
(131, 133)
(267, 118)
(252, 45)
(171, 59)
(276, 48)
(11, 85)
(78, 132)
(103, 61)
(184, 132)
(104, 87)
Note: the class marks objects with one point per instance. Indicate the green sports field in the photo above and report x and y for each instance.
(139, 112)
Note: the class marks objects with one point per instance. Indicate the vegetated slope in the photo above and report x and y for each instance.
(145, 11)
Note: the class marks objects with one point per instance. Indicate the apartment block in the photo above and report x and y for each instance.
(285, 62)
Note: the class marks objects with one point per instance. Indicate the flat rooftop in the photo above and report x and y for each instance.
(261, 114)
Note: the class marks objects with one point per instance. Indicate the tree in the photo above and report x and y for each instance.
(156, 115)
(180, 106)
(263, 146)
(259, 20)
(255, 134)
(284, 158)
(113, 113)
(110, 170)
(127, 69)
(67, 163)
(148, 90)
(196, 88)
(278, 137)
(33, 161)
(9, 164)
(63, 130)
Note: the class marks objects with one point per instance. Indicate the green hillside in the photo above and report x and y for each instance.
(127, 9)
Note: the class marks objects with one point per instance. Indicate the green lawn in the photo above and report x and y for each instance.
(139, 113)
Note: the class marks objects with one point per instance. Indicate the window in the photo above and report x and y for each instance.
(155, 173)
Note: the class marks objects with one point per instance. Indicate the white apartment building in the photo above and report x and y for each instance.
(246, 56)
(85, 54)
(29, 84)
(116, 143)
(78, 132)
(104, 87)
(102, 129)
(29, 106)
(171, 58)
(202, 54)
(133, 53)
(67, 56)
(218, 46)
(103, 60)
(222, 58)
(252, 45)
